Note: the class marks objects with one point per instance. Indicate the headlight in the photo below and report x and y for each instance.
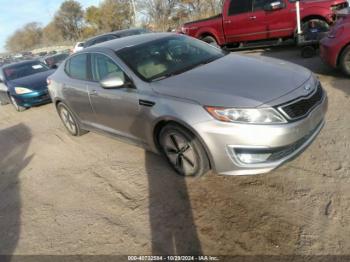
(22, 90)
(250, 116)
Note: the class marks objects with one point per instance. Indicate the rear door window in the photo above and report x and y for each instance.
(240, 7)
(76, 67)
(110, 37)
(100, 40)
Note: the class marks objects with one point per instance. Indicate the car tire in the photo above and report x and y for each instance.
(69, 121)
(183, 150)
(17, 107)
(308, 52)
(344, 61)
(211, 41)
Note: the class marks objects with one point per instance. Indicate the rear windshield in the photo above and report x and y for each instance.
(56, 59)
(133, 32)
(23, 70)
(168, 56)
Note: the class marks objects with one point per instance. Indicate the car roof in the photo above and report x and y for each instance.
(55, 55)
(19, 63)
(129, 41)
(117, 33)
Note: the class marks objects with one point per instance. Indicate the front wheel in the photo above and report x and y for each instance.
(183, 151)
(344, 61)
(18, 107)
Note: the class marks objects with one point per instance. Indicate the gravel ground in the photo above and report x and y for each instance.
(96, 195)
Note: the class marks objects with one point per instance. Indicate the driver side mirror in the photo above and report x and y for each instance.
(112, 82)
(275, 5)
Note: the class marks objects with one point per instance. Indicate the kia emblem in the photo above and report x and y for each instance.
(307, 87)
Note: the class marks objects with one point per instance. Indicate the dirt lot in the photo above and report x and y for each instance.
(96, 195)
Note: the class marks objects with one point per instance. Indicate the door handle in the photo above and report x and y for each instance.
(146, 103)
(93, 93)
(227, 21)
(252, 17)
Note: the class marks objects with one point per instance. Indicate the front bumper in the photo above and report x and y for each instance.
(329, 51)
(222, 141)
(33, 98)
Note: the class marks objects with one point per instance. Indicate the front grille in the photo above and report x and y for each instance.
(302, 107)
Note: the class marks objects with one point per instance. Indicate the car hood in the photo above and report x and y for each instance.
(35, 82)
(235, 81)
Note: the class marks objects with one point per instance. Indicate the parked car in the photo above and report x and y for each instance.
(335, 48)
(248, 21)
(113, 35)
(78, 47)
(43, 53)
(53, 61)
(201, 107)
(24, 84)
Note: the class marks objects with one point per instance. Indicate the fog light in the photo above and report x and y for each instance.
(253, 158)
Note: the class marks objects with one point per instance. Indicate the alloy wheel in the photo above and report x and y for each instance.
(14, 103)
(347, 61)
(180, 154)
(68, 120)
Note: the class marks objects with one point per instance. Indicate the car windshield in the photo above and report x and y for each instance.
(23, 70)
(168, 56)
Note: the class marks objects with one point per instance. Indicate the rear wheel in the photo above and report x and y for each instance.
(16, 105)
(344, 61)
(308, 51)
(211, 41)
(69, 121)
(183, 151)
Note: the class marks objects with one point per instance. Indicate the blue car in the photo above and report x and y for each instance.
(24, 84)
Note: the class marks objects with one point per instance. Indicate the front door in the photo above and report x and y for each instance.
(116, 110)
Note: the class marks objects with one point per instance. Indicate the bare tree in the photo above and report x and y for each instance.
(110, 15)
(25, 39)
(164, 15)
(69, 19)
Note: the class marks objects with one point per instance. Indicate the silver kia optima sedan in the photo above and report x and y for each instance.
(201, 107)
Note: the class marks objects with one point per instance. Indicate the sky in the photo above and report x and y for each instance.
(16, 13)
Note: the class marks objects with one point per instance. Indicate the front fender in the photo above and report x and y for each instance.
(321, 12)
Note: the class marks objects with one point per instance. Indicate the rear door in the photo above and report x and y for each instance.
(116, 110)
(242, 23)
(75, 88)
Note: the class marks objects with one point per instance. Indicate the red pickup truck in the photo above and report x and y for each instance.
(245, 21)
